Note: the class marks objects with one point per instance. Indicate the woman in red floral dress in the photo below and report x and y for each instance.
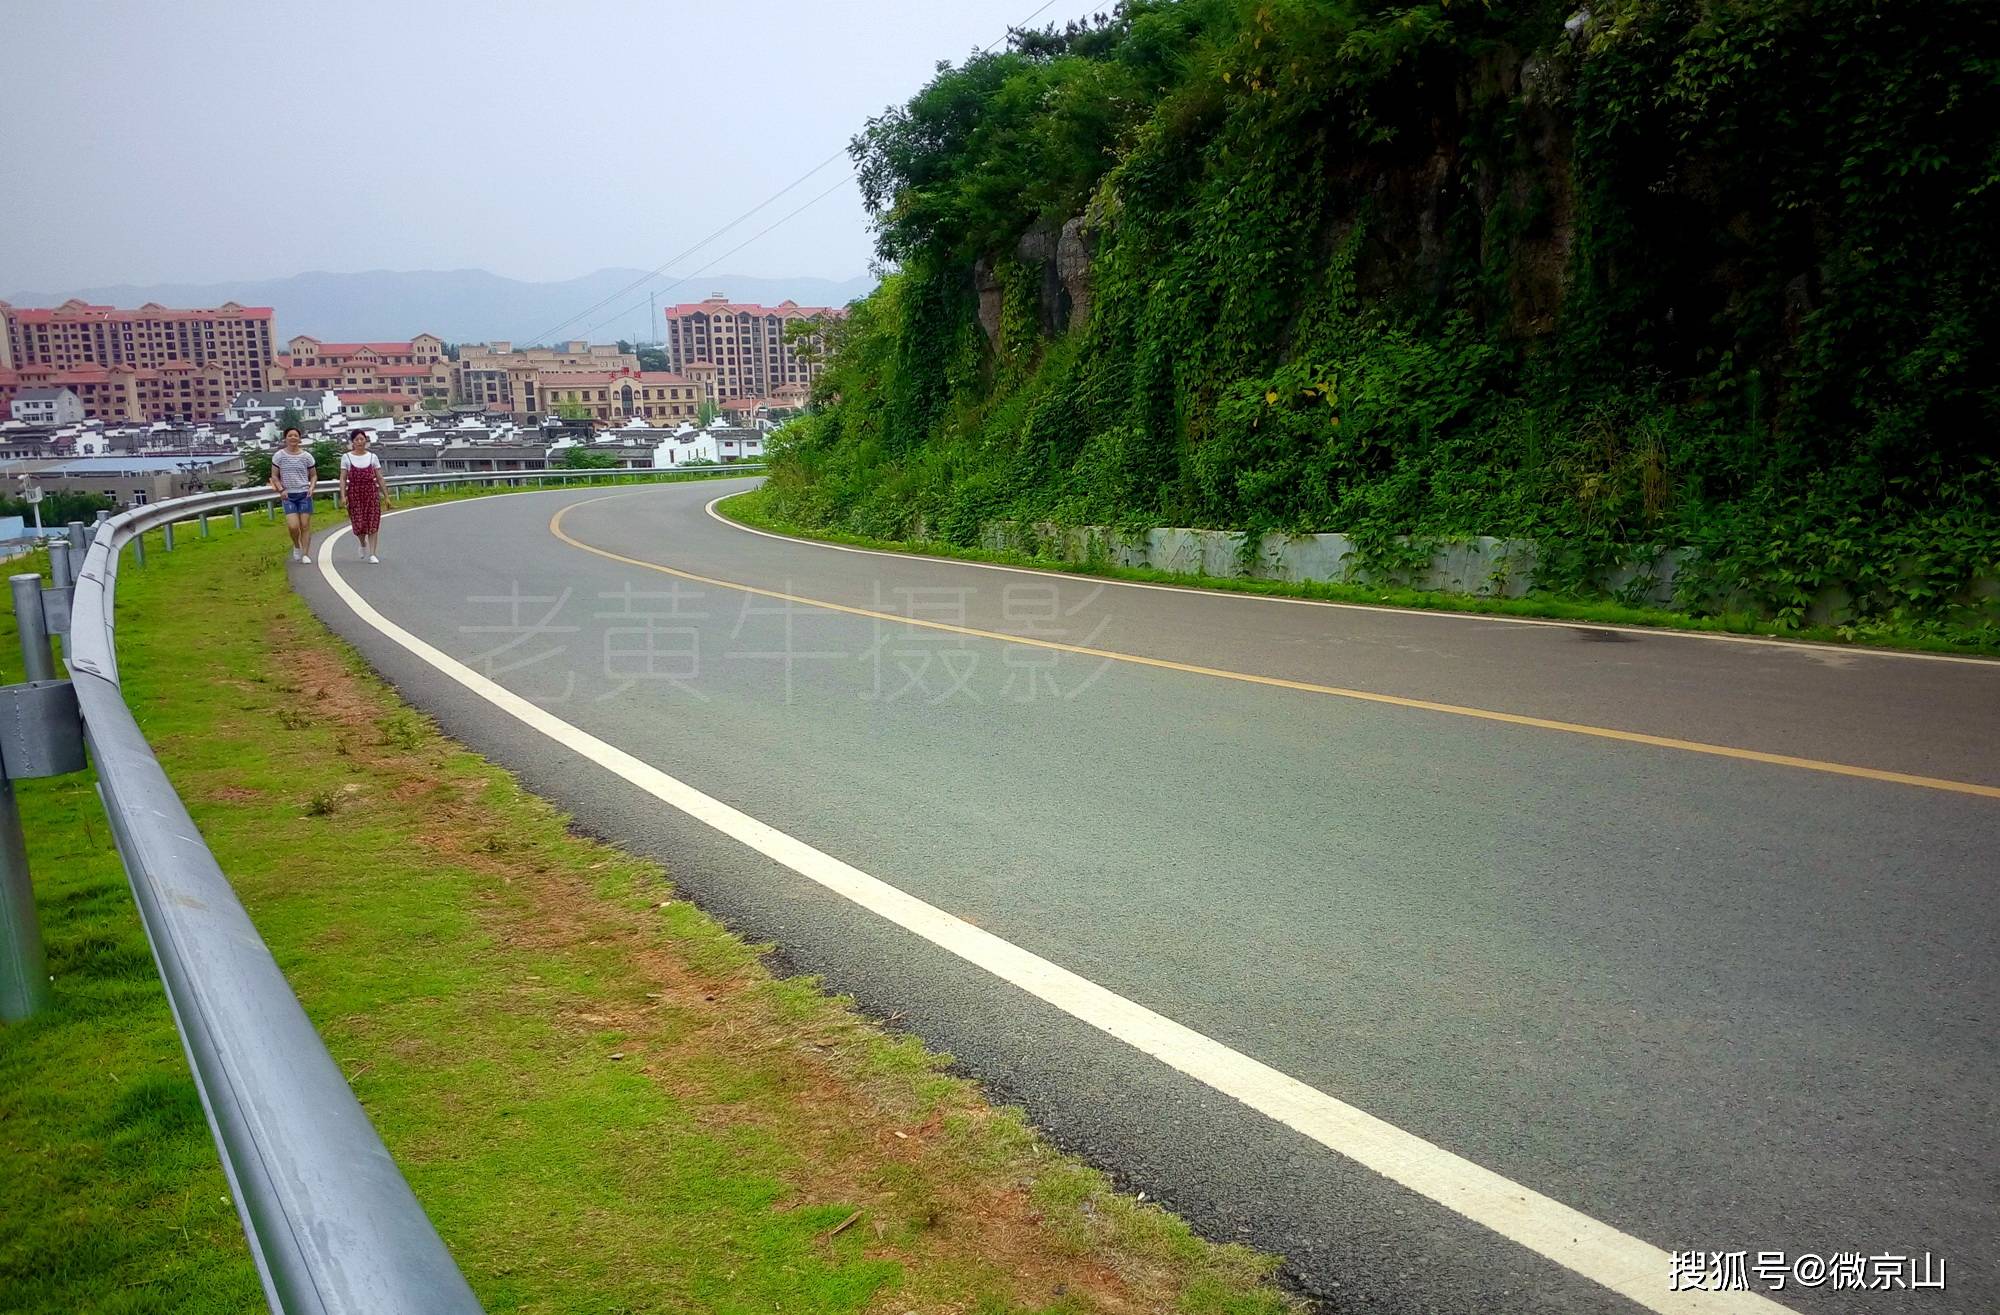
(361, 488)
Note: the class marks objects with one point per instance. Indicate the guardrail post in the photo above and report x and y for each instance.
(202, 521)
(139, 548)
(270, 512)
(79, 539)
(236, 517)
(24, 968)
(59, 563)
(167, 535)
(37, 656)
(97, 529)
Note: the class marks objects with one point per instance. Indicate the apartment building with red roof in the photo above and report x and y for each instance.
(153, 355)
(176, 390)
(749, 346)
(418, 369)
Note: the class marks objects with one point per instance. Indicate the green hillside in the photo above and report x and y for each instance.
(1714, 274)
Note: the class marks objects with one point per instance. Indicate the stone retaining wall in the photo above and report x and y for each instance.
(1483, 565)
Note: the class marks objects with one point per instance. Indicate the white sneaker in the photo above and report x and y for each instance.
(295, 554)
(373, 560)
(305, 559)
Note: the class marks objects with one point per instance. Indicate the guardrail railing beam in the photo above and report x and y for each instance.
(332, 1225)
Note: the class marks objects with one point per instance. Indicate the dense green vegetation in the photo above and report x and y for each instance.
(579, 457)
(59, 507)
(1705, 273)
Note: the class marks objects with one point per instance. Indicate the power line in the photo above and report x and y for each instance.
(549, 335)
(692, 274)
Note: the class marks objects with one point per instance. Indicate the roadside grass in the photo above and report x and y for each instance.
(751, 509)
(605, 1100)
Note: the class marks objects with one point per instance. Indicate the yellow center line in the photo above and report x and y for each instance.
(1303, 686)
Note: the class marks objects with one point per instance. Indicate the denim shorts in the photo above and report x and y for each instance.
(298, 504)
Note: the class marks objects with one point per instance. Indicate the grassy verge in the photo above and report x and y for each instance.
(753, 509)
(605, 1100)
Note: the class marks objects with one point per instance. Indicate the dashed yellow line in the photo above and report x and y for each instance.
(1302, 686)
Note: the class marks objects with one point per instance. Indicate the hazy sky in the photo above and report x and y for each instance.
(194, 140)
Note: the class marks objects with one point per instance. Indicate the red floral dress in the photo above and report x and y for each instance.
(364, 497)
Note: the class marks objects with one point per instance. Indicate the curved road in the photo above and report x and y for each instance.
(1585, 942)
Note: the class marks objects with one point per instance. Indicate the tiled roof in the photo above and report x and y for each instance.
(78, 310)
(350, 348)
(716, 306)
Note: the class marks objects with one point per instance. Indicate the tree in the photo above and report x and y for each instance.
(326, 457)
(811, 341)
(709, 411)
(578, 457)
(652, 358)
(572, 411)
(435, 404)
(624, 347)
(256, 469)
(374, 410)
(59, 506)
(291, 418)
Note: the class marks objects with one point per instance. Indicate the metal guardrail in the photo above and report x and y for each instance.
(333, 1227)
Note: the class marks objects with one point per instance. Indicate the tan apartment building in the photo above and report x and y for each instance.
(652, 395)
(746, 344)
(77, 335)
(418, 368)
(501, 376)
(178, 391)
(104, 394)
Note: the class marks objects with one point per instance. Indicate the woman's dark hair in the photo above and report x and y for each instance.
(294, 429)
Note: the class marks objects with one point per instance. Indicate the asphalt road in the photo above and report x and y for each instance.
(1713, 1001)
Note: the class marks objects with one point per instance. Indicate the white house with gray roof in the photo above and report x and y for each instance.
(312, 403)
(47, 406)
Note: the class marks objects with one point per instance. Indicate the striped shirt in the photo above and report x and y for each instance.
(296, 469)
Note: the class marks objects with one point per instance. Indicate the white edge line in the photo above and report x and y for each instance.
(1616, 1260)
(1432, 614)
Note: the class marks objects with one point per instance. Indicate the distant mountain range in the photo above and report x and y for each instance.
(463, 305)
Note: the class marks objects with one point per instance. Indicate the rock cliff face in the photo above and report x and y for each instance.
(1515, 198)
(1059, 261)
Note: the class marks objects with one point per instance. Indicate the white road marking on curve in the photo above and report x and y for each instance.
(1635, 1269)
